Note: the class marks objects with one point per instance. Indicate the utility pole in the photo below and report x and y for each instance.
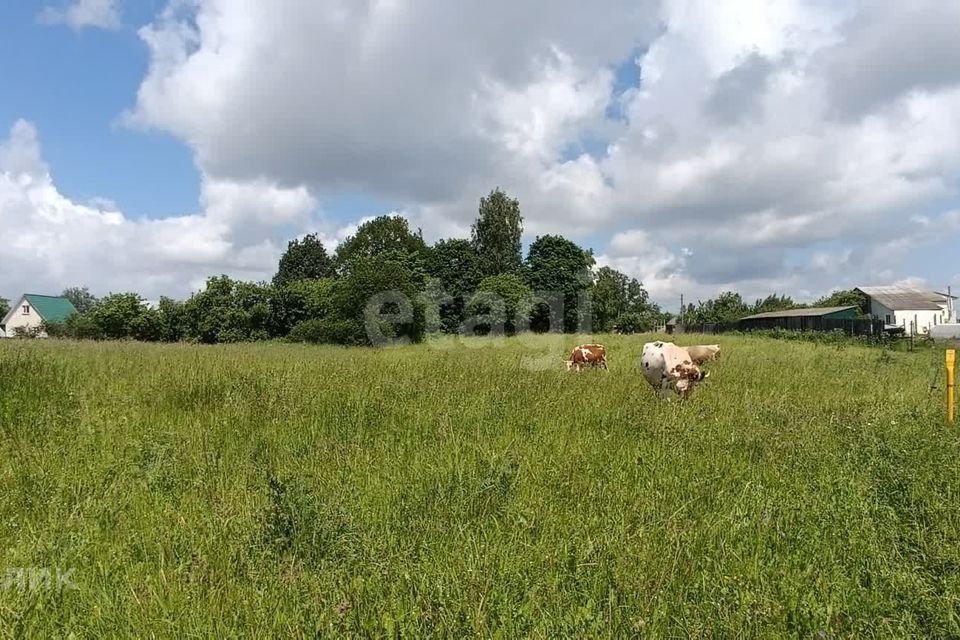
(681, 310)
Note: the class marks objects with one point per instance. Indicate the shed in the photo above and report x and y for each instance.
(832, 313)
(810, 319)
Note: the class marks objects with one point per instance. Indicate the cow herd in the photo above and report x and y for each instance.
(666, 366)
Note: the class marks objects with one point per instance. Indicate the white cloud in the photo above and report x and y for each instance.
(79, 14)
(786, 146)
(51, 242)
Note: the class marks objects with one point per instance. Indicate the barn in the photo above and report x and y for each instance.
(916, 310)
(811, 319)
(32, 310)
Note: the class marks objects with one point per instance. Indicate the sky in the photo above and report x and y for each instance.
(790, 147)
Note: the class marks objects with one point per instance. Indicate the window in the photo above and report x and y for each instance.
(26, 309)
(888, 319)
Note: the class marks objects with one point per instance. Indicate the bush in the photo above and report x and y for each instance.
(632, 322)
(299, 301)
(28, 333)
(328, 331)
(367, 278)
(502, 300)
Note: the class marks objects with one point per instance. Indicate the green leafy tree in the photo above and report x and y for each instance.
(4, 308)
(453, 267)
(774, 302)
(80, 297)
(170, 320)
(558, 266)
(727, 307)
(229, 311)
(118, 315)
(380, 236)
(389, 283)
(634, 322)
(304, 259)
(81, 326)
(496, 234)
(614, 294)
(845, 298)
(500, 301)
(299, 301)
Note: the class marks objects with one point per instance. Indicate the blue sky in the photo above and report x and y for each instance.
(74, 86)
(693, 146)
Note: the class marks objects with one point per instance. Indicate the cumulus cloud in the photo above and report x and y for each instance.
(79, 14)
(52, 242)
(784, 146)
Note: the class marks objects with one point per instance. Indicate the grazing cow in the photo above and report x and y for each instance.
(667, 366)
(703, 353)
(594, 355)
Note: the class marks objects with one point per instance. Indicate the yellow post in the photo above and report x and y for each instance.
(951, 360)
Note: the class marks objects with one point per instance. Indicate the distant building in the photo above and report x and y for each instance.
(32, 310)
(810, 319)
(915, 310)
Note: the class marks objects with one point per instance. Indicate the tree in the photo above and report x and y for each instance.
(118, 315)
(774, 303)
(4, 307)
(454, 269)
(228, 311)
(80, 297)
(613, 295)
(496, 234)
(557, 266)
(389, 283)
(304, 259)
(845, 298)
(380, 236)
(170, 320)
(727, 307)
(298, 302)
(503, 300)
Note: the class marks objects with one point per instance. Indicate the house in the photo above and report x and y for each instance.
(32, 310)
(916, 310)
(809, 319)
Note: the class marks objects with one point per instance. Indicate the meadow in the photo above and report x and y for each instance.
(475, 488)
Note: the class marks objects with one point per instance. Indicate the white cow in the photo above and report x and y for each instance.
(667, 366)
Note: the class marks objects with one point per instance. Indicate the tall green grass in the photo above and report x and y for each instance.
(469, 489)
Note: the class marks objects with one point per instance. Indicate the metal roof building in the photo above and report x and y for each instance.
(916, 310)
(812, 312)
(904, 298)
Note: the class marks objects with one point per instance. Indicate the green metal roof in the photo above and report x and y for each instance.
(51, 308)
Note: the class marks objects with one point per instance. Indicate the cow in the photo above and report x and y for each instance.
(703, 353)
(667, 366)
(594, 355)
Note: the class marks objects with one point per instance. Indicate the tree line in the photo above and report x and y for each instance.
(730, 306)
(471, 286)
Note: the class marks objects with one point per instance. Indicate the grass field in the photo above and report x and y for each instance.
(463, 489)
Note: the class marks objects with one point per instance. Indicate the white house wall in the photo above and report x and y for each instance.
(17, 319)
(924, 318)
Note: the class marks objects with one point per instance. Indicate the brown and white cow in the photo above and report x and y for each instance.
(593, 355)
(666, 366)
(701, 353)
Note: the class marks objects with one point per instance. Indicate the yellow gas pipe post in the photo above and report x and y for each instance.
(951, 359)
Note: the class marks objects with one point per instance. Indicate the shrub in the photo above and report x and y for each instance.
(502, 300)
(329, 331)
(632, 322)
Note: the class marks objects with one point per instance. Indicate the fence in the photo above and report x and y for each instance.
(850, 327)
